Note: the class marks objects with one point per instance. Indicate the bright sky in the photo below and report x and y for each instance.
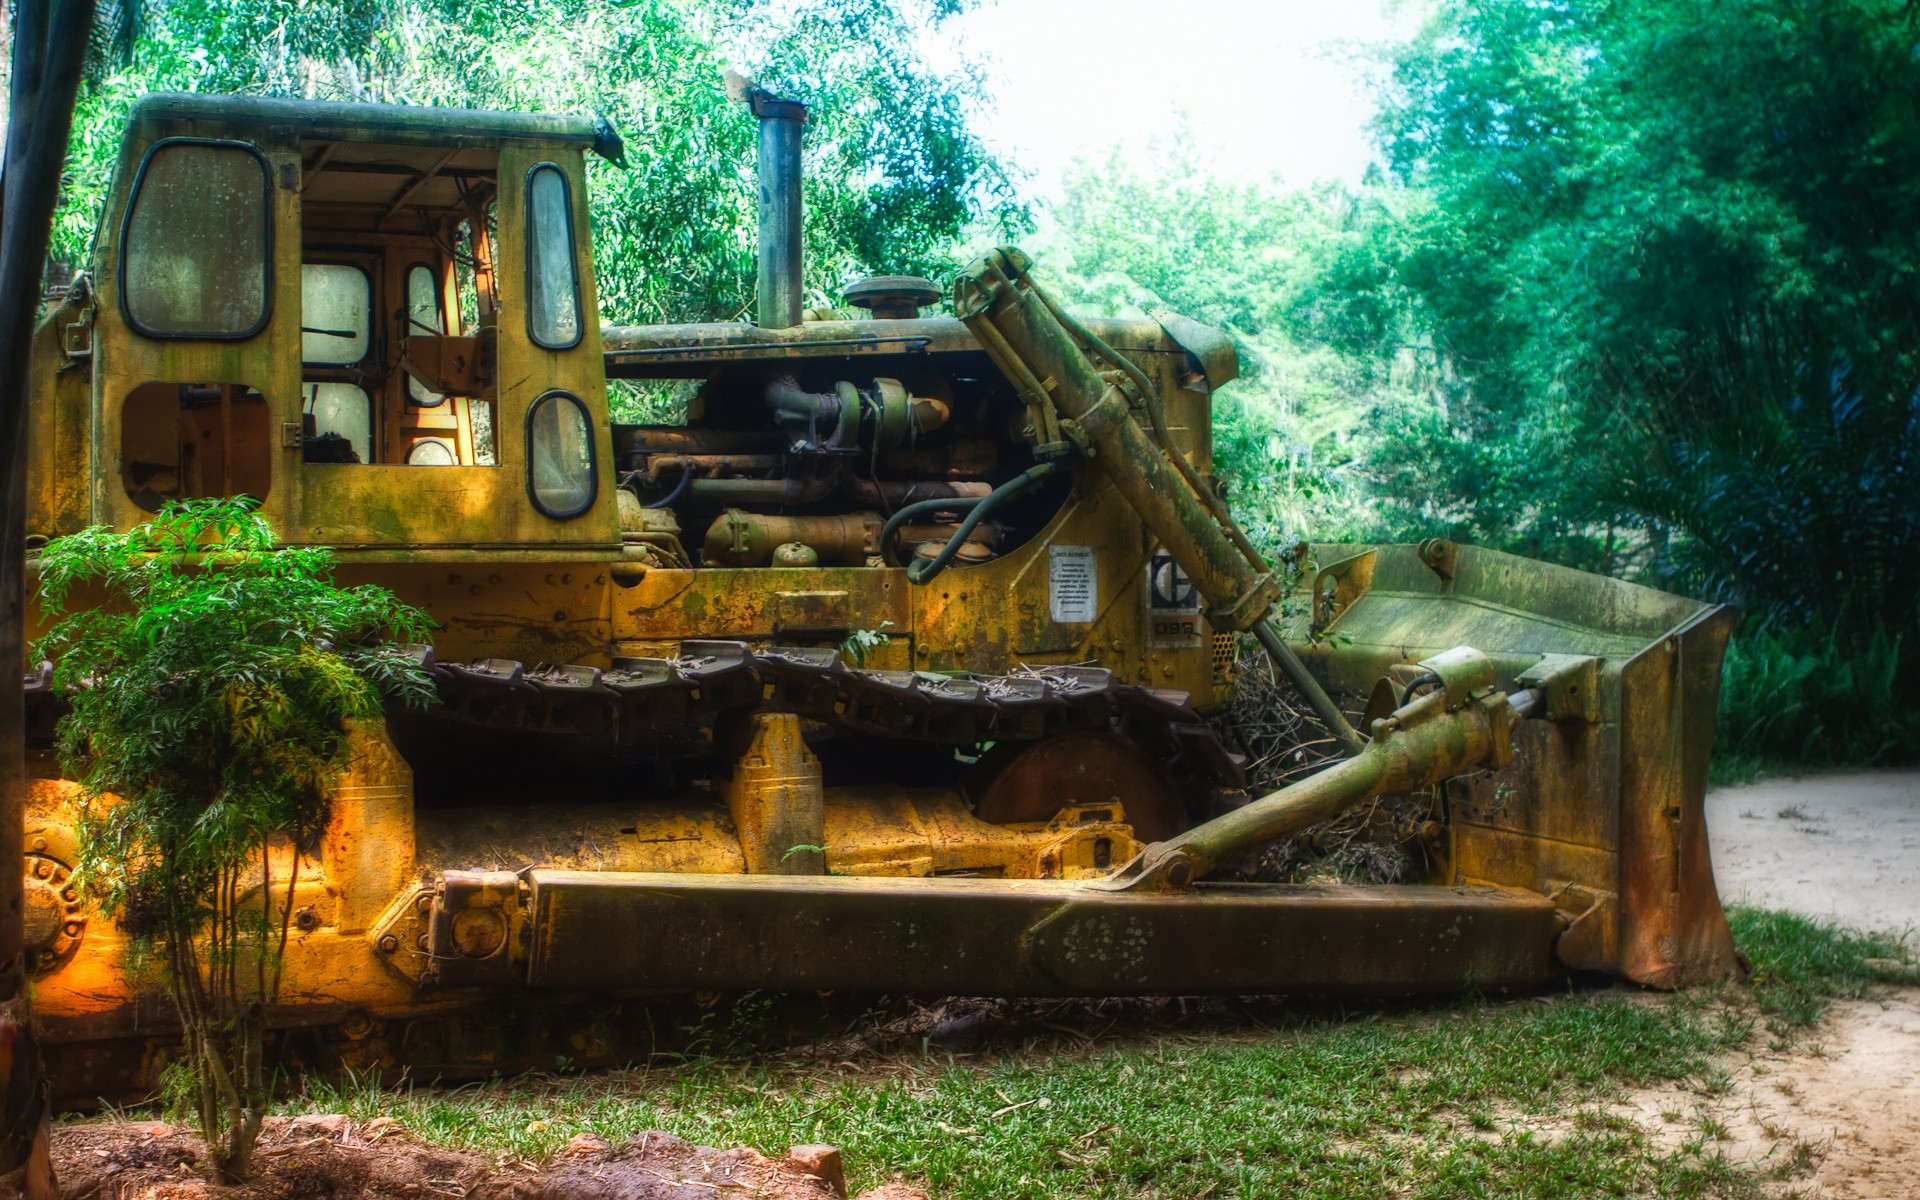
(1265, 87)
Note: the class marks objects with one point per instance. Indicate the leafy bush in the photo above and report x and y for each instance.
(1805, 511)
(1812, 695)
(211, 675)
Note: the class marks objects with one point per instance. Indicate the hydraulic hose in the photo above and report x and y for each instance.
(977, 508)
(923, 572)
(915, 511)
(679, 489)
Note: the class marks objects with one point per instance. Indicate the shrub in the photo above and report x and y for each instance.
(1815, 695)
(210, 692)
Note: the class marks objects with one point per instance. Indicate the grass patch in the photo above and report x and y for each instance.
(1800, 965)
(1409, 1103)
(1472, 1097)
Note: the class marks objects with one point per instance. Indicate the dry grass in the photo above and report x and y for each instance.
(1283, 743)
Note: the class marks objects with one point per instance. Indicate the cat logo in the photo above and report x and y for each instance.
(1173, 605)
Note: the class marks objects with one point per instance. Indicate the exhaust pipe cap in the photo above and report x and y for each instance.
(892, 297)
(769, 107)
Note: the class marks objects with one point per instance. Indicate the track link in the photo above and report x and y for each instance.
(708, 678)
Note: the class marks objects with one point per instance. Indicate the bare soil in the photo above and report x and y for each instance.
(1838, 1114)
(335, 1158)
(1844, 848)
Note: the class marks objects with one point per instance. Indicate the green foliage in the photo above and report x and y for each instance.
(1805, 512)
(1294, 277)
(1608, 308)
(1679, 298)
(894, 171)
(210, 676)
(1809, 695)
(859, 643)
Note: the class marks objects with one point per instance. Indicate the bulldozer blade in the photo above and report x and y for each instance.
(1602, 807)
(1030, 937)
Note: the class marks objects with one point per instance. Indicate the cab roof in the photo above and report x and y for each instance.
(323, 120)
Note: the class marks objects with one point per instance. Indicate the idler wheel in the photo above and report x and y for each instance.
(1019, 783)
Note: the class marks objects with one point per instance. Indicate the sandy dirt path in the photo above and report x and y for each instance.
(1842, 847)
(1839, 1114)
(1835, 1117)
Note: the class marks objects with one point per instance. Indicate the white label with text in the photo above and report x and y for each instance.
(1073, 584)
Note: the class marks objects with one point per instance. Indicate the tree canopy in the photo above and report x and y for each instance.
(895, 173)
(1632, 289)
(1292, 275)
(1670, 246)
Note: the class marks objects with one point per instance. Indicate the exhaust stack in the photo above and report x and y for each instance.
(777, 297)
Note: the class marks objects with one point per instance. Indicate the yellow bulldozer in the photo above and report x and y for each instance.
(889, 668)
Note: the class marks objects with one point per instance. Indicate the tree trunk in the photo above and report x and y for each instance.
(49, 49)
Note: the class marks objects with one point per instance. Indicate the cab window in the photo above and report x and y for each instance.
(182, 441)
(424, 315)
(336, 315)
(194, 253)
(340, 420)
(398, 303)
(432, 452)
(553, 283)
(560, 475)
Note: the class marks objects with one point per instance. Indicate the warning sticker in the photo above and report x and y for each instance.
(1073, 585)
(1173, 604)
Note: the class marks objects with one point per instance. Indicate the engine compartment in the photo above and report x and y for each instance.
(835, 463)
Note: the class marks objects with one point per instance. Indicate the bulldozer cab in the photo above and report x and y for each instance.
(382, 327)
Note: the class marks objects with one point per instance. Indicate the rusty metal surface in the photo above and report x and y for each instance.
(782, 128)
(988, 937)
(1601, 806)
(1087, 767)
(263, 117)
(694, 350)
(777, 798)
(1673, 931)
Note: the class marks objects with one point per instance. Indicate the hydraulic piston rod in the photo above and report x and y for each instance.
(1464, 723)
(1012, 318)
